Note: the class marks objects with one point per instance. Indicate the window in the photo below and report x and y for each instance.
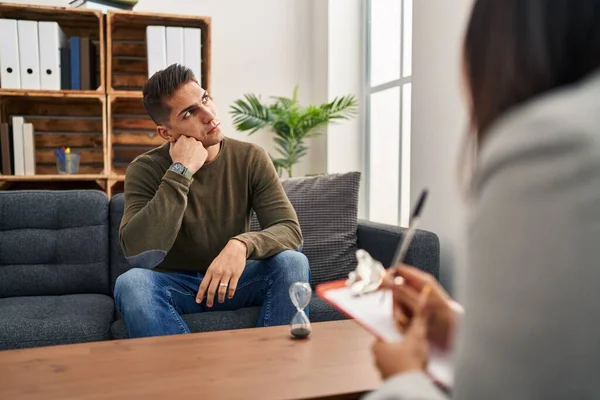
(388, 98)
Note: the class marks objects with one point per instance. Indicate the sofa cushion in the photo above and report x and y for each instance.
(50, 320)
(327, 209)
(240, 319)
(53, 242)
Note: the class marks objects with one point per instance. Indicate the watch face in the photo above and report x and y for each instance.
(178, 167)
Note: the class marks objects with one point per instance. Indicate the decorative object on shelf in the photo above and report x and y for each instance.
(291, 122)
(66, 162)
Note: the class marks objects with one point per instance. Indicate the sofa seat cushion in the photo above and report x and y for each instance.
(51, 320)
(240, 319)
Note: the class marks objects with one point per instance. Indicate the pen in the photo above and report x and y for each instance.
(60, 154)
(403, 246)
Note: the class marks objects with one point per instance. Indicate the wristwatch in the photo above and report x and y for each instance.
(181, 170)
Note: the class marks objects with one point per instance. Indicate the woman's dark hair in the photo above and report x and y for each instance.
(517, 49)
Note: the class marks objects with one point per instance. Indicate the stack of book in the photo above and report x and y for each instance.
(60, 63)
(17, 151)
(167, 45)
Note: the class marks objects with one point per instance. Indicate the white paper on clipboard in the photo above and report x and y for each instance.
(375, 315)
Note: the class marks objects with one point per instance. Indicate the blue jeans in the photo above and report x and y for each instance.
(152, 303)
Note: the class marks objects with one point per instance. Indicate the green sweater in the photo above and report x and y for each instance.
(172, 223)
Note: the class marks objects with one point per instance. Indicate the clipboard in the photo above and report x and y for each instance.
(375, 315)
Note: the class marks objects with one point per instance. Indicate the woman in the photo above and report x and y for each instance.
(531, 325)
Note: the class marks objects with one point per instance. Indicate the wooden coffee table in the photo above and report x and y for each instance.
(264, 363)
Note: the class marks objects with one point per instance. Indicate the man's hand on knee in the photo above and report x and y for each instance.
(223, 273)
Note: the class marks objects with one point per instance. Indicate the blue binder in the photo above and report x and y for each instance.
(75, 63)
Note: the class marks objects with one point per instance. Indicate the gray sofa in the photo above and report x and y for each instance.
(60, 257)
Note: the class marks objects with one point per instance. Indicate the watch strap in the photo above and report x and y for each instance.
(181, 170)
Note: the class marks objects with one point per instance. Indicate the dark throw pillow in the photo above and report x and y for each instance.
(327, 208)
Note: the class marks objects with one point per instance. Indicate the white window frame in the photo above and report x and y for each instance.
(404, 173)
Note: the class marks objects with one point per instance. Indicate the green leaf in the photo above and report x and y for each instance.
(290, 122)
(281, 128)
(344, 107)
(283, 104)
(249, 114)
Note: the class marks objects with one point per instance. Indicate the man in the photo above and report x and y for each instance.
(185, 229)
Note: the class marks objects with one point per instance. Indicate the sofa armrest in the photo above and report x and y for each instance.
(381, 240)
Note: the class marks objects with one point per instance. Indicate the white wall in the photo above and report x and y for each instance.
(345, 76)
(439, 122)
(346, 140)
(337, 60)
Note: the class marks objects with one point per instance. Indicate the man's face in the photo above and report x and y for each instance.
(193, 114)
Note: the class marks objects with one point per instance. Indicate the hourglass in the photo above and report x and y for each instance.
(300, 293)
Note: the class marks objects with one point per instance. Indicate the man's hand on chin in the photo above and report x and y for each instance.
(223, 273)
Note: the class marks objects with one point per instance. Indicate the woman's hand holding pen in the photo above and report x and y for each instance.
(407, 284)
(426, 314)
(412, 353)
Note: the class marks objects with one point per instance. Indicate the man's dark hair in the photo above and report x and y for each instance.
(161, 86)
(518, 49)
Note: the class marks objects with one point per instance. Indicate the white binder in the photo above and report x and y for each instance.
(18, 145)
(192, 50)
(54, 39)
(29, 148)
(29, 54)
(10, 71)
(156, 49)
(174, 45)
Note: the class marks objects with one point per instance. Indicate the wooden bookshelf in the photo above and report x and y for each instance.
(70, 121)
(131, 132)
(73, 94)
(126, 47)
(108, 126)
(74, 22)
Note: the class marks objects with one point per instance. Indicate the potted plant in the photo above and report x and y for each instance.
(291, 122)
